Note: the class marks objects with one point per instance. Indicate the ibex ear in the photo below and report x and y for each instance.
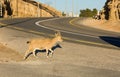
(57, 33)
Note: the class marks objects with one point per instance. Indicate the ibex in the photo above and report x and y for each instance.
(43, 44)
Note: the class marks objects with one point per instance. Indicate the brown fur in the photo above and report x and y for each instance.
(42, 44)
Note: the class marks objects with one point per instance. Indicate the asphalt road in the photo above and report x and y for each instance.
(84, 63)
(52, 70)
(70, 29)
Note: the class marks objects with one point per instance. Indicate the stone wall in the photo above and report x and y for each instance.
(111, 10)
(27, 8)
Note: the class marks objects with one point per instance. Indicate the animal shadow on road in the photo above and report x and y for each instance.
(43, 51)
(111, 40)
(53, 48)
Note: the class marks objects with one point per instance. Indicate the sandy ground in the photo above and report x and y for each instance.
(7, 55)
(102, 24)
(72, 60)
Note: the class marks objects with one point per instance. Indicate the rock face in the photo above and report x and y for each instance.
(26, 8)
(111, 10)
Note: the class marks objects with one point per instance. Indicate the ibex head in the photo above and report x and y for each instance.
(58, 36)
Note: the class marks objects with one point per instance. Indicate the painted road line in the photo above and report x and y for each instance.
(21, 29)
(66, 38)
(79, 41)
(88, 42)
(38, 24)
(71, 22)
(27, 30)
(3, 25)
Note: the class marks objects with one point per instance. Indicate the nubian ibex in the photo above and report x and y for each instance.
(43, 44)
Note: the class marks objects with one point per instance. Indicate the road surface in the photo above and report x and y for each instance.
(88, 52)
(71, 30)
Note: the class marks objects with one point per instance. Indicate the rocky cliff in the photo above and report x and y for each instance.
(27, 8)
(111, 10)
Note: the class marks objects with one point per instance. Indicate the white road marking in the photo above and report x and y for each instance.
(38, 24)
(100, 44)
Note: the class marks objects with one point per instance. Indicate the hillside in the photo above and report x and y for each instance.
(102, 24)
(27, 8)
